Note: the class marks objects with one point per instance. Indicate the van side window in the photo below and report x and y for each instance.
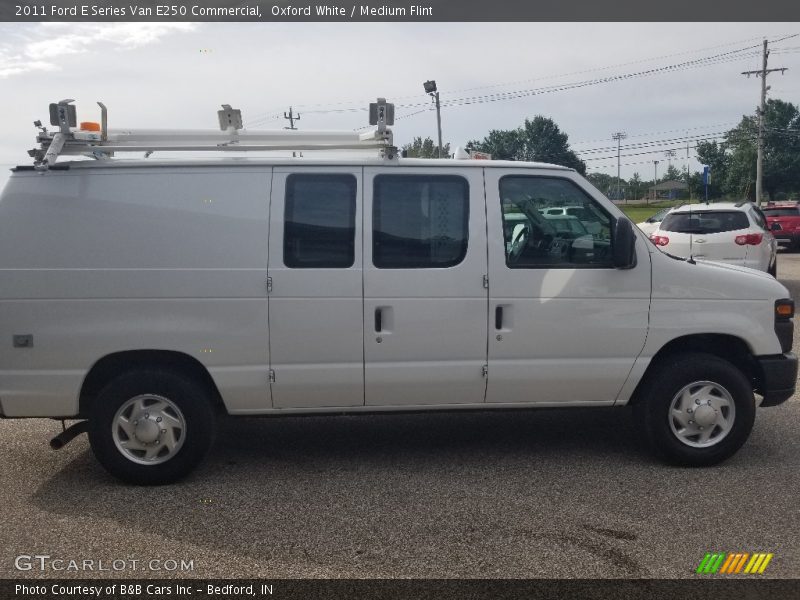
(419, 221)
(549, 222)
(319, 221)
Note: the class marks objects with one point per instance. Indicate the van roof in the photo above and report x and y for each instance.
(300, 161)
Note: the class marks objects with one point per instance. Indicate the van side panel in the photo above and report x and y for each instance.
(101, 260)
(704, 298)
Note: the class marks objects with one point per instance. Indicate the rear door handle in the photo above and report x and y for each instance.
(378, 320)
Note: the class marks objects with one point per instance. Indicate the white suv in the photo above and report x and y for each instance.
(724, 232)
(580, 212)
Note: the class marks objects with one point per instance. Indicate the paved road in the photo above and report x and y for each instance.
(553, 493)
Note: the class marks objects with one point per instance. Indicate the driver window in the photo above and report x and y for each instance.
(550, 222)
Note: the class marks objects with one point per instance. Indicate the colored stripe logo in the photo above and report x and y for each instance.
(734, 563)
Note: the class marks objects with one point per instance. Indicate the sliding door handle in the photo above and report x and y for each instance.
(498, 317)
(378, 320)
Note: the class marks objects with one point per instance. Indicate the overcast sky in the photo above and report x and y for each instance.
(178, 75)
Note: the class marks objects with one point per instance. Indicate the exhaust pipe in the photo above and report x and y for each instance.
(66, 436)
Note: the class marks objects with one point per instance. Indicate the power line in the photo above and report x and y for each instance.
(517, 94)
(721, 58)
(658, 151)
(687, 129)
(651, 143)
(347, 105)
(595, 69)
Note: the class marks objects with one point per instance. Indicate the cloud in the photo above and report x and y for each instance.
(40, 48)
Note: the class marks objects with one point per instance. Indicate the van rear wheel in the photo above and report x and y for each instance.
(695, 409)
(151, 427)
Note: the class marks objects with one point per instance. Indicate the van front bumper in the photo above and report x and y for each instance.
(778, 378)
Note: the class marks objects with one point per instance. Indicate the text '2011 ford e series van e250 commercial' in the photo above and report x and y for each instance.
(142, 297)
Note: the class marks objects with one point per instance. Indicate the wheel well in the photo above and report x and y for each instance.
(113, 365)
(728, 347)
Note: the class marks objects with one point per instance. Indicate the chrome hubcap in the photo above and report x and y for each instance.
(148, 429)
(701, 414)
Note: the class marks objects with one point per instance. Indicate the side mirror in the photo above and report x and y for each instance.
(624, 244)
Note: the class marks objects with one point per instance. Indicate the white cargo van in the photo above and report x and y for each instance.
(145, 297)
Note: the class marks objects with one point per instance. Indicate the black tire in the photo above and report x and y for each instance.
(667, 379)
(773, 268)
(194, 404)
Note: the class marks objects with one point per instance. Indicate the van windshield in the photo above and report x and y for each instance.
(705, 222)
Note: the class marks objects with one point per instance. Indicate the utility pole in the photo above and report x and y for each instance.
(291, 117)
(688, 181)
(670, 154)
(619, 136)
(655, 178)
(763, 72)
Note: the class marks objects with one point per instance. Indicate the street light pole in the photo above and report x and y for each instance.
(439, 123)
(655, 178)
(430, 89)
(619, 136)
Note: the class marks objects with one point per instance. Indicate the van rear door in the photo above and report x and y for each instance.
(315, 305)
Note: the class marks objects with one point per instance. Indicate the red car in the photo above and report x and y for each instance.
(783, 220)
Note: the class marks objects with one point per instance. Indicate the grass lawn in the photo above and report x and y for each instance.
(639, 212)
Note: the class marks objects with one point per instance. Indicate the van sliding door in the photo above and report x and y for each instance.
(425, 304)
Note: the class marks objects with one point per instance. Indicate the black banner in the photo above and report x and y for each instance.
(700, 588)
(392, 10)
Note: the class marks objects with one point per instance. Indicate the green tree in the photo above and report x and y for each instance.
(501, 144)
(426, 148)
(781, 148)
(636, 187)
(602, 181)
(539, 139)
(714, 155)
(741, 154)
(733, 162)
(696, 189)
(673, 174)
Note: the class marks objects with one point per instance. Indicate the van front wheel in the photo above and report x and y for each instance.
(151, 427)
(695, 409)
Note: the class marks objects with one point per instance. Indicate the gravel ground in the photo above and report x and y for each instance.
(552, 493)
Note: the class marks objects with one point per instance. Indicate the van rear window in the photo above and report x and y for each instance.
(706, 222)
(320, 221)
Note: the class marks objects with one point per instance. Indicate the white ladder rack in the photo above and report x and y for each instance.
(102, 144)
